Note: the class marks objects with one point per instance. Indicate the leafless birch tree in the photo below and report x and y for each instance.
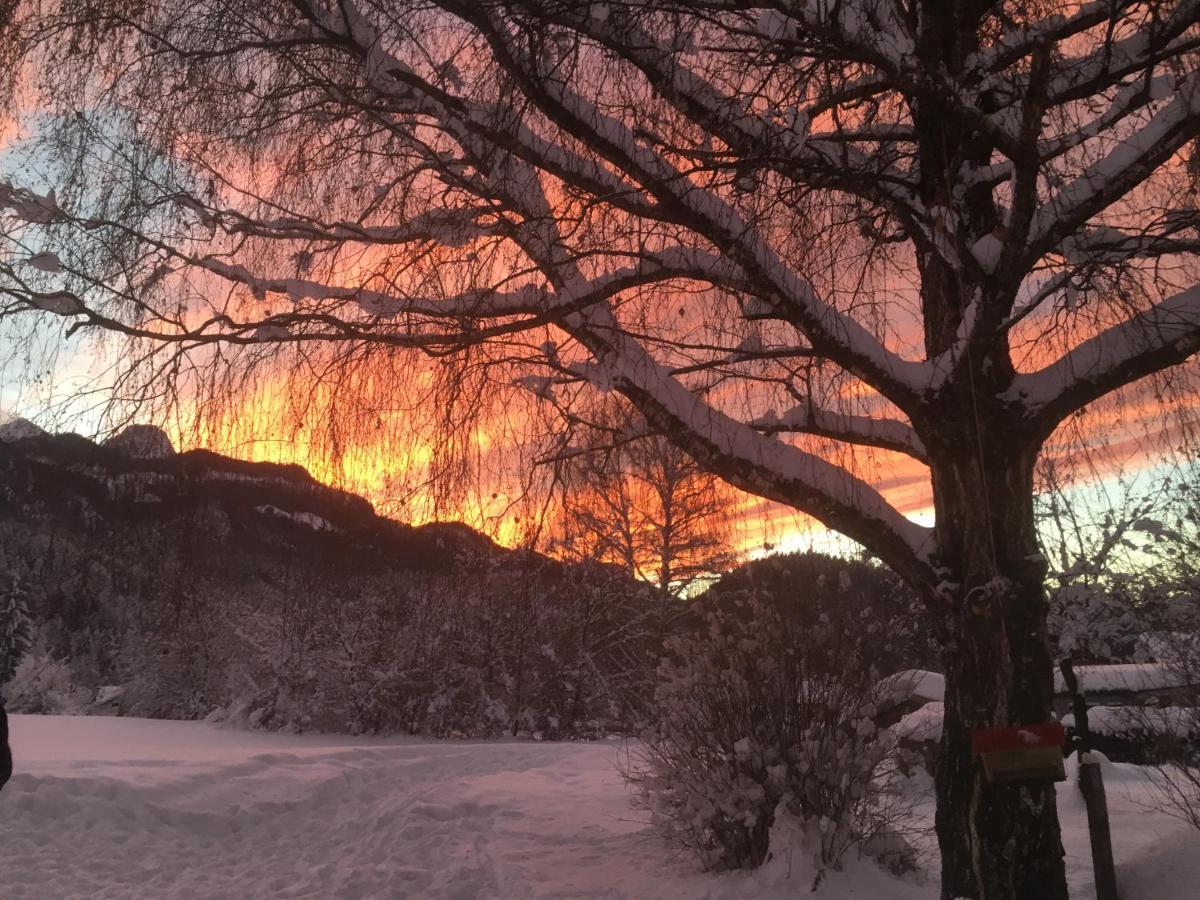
(633, 499)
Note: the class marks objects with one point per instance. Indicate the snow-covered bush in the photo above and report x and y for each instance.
(856, 597)
(531, 649)
(1101, 613)
(1122, 561)
(1099, 621)
(43, 684)
(766, 706)
(173, 660)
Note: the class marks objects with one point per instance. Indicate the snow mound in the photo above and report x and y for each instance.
(141, 442)
(915, 684)
(924, 724)
(18, 429)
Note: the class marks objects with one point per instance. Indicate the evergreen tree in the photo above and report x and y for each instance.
(16, 628)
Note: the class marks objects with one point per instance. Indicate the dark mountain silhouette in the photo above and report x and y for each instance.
(142, 442)
(135, 480)
(17, 429)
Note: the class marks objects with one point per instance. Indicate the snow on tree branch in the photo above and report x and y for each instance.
(743, 456)
(1165, 235)
(1150, 40)
(548, 304)
(448, 227)
(1019, 42)
(1166, 334)
(838, 336)
(761, 464)
(888, 434)
(780, 139)
(1119, 171)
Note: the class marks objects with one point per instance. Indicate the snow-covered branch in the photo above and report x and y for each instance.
(1123, 168)
(1112, 246)
(779, 140)
(755, 462)
(447, 227)
(887, 434)
(1164, 335)
(1017, 43)
(1108, 63)
(833, 333)
(1125, 102)
(546, 303)
(759, 463)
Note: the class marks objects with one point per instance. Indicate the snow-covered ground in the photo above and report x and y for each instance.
(108, 807)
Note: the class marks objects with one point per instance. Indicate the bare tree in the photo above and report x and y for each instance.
(635, 500)
(925, 229)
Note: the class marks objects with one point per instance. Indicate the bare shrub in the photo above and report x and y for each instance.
(767, 709)
(528, 647)
(1174, 731)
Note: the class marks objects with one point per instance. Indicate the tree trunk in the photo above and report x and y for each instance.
(998, 842)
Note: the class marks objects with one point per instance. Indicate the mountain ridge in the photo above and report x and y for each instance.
(88, 485)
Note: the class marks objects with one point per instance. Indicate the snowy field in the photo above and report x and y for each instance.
(107, 807)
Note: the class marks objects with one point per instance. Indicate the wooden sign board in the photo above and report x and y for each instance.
(1020, 752)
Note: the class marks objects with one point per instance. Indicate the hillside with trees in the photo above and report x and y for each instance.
(181, 586)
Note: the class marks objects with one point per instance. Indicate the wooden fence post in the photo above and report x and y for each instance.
(1091, 786)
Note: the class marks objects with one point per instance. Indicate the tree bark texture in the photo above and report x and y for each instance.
(998, 842)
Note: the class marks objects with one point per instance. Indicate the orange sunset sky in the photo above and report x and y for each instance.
(280, 419)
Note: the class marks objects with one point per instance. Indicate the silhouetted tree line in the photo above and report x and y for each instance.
(144, 624)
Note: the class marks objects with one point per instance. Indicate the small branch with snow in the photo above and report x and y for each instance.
(886, 434)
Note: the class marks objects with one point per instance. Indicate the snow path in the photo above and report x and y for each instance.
(111, 807)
